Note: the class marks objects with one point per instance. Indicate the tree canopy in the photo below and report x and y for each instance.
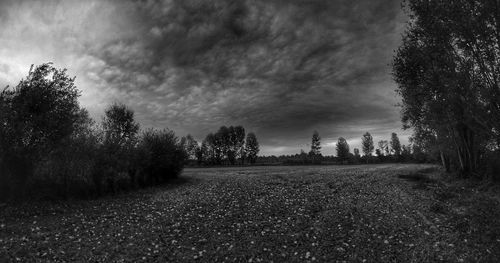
(447, 71)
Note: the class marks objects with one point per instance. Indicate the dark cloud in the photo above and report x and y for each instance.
(282, 68)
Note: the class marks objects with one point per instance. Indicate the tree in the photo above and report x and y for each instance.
(119, 125)
(191, 145)
(238, 136)
(315, 144)
(367, 144)
(357, 156)
(234, 143)
(405, 153)
(201, 152)
(342, 150)
(379, 154)
(223, 138)
(213, 149)
(116, 155)
(40, 112)
(70, 164)
(447, 75)
(251, 147)
(383, 146)
(356, 152)
(395, 145)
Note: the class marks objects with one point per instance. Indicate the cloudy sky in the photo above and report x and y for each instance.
(280, 68)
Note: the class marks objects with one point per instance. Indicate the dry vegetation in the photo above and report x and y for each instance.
(384, 213)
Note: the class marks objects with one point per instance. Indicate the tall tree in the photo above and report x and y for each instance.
(191, 145)
(119, 125)
(367, 144)
(116, 154)
(236, 140)
(357, 156)
(395, 145)
(201, 153)
(40, 112)
(342, 150)
(239, 134)
(252, 147)
(447, 71)
(223, 142)
(213, 149)
(315, 144)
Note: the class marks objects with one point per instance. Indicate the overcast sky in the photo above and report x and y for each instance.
(280, 68)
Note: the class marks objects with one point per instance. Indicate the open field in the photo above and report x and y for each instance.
(369, 213)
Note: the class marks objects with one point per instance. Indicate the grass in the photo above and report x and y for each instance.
(369, 213)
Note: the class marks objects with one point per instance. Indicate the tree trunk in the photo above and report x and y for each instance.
(466, 151)
(445, 161)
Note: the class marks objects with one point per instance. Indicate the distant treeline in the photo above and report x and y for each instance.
(387, 151)
(227, 146)
(49, 144)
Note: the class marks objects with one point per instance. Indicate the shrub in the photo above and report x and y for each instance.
(160, 157)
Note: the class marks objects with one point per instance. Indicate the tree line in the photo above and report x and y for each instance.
(387, 151)
(227, 146)
(448, 73)
(49, 144)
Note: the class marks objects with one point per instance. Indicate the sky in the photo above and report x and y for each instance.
(280, 68)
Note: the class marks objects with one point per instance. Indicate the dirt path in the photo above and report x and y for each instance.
(281, 214)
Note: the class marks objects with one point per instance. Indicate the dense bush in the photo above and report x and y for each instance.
(160, 157)
(49, 146)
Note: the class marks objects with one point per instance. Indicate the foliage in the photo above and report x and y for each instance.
(37, 115)
(395, 145)
(342, 150)
(51, 147)
(251, 147)
(191, 146)
(367, 144)
(383, 147)
(356, 153)
(315, 144)
(161, 157)
(447, 75)
(119, 125)
(226, 146)
(116, 154)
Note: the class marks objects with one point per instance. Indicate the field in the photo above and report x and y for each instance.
(368, 213)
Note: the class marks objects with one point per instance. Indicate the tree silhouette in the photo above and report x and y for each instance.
(119, 125)
(383, 146)
(191, 147)
(395, 145)
(40, 112)
(315, 152)
(367, 144)
(447, 74)
(342, 150)
(251, 147)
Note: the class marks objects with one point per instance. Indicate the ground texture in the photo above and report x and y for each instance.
(369, 213)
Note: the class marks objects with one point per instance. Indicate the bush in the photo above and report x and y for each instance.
(51, 147)
(160, 157)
